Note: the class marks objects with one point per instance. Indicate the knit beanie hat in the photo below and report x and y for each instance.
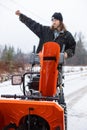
(57, 16)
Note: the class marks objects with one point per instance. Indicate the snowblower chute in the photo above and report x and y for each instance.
(49, 72)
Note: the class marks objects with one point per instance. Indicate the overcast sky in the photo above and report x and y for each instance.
(13, 32)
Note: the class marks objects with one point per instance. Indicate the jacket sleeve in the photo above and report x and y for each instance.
(71, 45)
(35, 27)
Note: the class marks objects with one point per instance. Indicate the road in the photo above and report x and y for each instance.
(76, 99)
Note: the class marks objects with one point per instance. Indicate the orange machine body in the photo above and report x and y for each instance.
(12, 111)
(49, 73)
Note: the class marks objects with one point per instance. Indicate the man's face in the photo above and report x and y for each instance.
(55, 23)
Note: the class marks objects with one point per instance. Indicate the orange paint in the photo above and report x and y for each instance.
(12, 111)
(49, 72)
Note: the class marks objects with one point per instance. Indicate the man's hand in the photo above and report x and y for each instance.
(18, 12)
(65, 55)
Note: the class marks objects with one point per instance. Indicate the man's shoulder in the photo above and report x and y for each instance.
(68, 34)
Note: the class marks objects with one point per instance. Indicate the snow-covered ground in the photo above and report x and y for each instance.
(75, 94)
(76, 97)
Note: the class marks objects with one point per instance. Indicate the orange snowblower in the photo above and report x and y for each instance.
(40, 107)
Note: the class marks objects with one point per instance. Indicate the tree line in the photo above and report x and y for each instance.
(80, 57)
(11, 59)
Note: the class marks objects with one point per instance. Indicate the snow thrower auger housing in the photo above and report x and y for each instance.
(41, 107)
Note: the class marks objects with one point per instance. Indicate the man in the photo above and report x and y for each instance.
(57, 33)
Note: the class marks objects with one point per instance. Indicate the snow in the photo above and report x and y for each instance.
(76, 97)
(77, 115)
(75, 78)
(7, 88)
(75, 91)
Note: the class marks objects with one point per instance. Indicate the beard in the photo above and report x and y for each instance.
(53, 27)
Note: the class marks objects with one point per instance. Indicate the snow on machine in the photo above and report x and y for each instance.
(42, 105)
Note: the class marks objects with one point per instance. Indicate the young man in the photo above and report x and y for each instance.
(57, 33)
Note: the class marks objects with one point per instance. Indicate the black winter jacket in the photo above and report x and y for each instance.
(45, 33)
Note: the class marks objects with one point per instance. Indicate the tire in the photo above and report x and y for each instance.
(65, 117)
(65, 114)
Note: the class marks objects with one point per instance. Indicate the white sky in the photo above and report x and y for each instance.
(13, 32)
